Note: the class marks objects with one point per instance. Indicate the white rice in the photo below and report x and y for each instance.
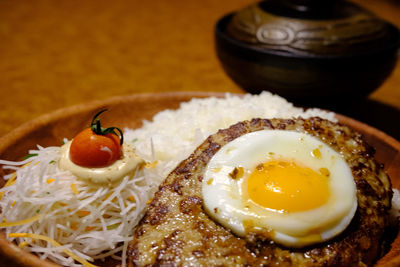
(174, 134)
(395, 211)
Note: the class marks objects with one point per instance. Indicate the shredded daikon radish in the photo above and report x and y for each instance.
(91, 221)
(54, 243)
(21, 222)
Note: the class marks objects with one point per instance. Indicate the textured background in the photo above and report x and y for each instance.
(55, 54)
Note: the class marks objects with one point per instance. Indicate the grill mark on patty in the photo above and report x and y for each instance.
(176, 186)
(209, 152)
(257, 122)
(133, 251)
(191, 205)
(358, 245)
(365, 188)
(233, 132)
(158, 215)
(285, 123)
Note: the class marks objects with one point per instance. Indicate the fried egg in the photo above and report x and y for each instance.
(105, 175)
(284, 186)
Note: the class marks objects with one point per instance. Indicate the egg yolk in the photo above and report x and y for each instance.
(287, 187)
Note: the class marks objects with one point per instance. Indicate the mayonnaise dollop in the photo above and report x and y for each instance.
(104, 175)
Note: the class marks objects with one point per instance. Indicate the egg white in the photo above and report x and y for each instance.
(104, 175)
(224, 197)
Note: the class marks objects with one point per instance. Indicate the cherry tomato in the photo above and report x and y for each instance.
(93, 150)
(96, 147)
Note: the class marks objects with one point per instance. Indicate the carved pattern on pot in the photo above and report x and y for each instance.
(275, 35)
(336, 36)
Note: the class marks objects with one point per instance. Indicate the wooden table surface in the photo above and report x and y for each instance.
(55, 54)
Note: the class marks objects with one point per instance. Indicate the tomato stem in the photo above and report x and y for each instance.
(97, 129)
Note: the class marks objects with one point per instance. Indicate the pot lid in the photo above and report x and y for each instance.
(328, 28)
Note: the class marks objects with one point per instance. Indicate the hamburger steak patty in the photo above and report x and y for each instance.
(176, 231)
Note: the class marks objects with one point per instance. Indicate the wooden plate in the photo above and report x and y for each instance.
(130, 111)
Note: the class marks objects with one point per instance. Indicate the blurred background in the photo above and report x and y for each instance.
(55, 54)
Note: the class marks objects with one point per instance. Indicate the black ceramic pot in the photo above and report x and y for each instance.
(306, 52)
